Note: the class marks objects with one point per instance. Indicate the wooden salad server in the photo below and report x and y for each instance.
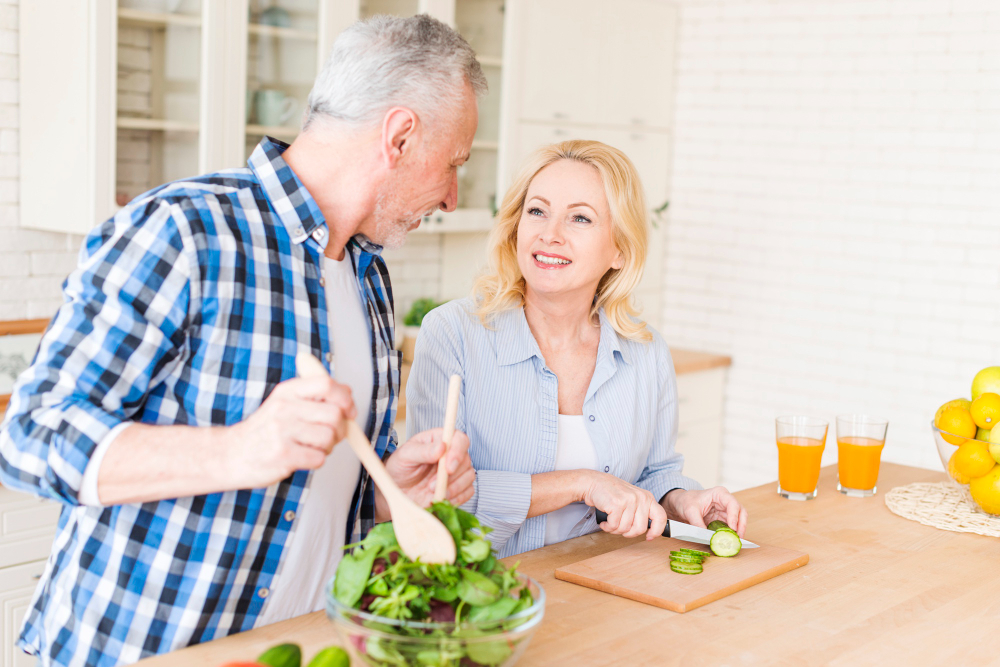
(420, 534)
(450, 414)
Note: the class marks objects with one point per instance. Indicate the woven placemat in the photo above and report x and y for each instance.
(941, 505)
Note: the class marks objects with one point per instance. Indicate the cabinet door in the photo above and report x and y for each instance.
(597, 62)
(17, 585)
(27, 526)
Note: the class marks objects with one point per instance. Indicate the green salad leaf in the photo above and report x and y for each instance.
(474, 598)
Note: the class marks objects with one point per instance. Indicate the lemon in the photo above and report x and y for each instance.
(960, 402)
(955, 475)
(957, 425)
(987, 379)
(973, 459)
(985, 410)
(995, 444)
(986, 491)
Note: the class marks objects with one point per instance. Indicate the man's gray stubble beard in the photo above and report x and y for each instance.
(390, 232)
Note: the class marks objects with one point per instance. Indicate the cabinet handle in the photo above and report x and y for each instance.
(36, 577)
(638, 121)
(560, 115)
(560, 133)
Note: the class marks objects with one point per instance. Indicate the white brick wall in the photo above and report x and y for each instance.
(835, 216)
(32, 264)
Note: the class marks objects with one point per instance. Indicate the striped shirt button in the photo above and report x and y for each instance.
(263, 593)
(289, 516)
(592, 417)
(607, 468)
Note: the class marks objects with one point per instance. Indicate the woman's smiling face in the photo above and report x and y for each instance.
(564, 240)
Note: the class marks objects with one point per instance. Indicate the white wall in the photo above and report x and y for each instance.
(32, 264)
(835, 218)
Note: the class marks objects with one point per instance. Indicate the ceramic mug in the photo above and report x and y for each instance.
(273, 107)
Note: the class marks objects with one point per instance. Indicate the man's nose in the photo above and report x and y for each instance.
(450, 202)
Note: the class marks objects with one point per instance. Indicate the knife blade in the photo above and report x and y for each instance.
(683, 531)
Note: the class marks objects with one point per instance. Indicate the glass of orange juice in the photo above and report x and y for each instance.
(801, 441)
(859, 450)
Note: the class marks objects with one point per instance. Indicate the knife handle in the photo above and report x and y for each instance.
(603, 516)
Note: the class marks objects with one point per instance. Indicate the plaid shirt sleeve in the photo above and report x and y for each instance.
(121, 326)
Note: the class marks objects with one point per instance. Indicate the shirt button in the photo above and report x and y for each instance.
(299, 231)
(329, 357)
(322, 282)
(607, 468)
(592, 417)
(319, 234)
(263, 593)
(289, 516)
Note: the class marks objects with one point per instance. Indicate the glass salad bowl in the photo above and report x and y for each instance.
(946, 449)
(383, 642)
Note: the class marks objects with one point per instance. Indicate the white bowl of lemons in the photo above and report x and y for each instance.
(969, 445)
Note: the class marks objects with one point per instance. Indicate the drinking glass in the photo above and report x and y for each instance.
(801, 441)
(860, 439)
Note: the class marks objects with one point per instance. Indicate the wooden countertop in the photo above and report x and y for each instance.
(878, 590)
(690, 361)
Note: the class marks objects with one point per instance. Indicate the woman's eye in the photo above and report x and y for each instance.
(534, 211)
(581, 218)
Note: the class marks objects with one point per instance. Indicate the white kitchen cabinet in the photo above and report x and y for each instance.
(27, 526)
(700, 398)
(596, 63)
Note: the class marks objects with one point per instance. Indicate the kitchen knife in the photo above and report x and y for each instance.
(683, 531)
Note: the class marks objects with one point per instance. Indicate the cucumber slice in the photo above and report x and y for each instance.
(701, 555)
(686, 559)
(685, 568)
(726, 543)
(719, 525)
(696, 552)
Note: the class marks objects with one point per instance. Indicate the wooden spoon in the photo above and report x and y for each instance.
(450, 414)
(420, 534)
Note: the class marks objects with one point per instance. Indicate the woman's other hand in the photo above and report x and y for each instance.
(700, 508)
(629, 508)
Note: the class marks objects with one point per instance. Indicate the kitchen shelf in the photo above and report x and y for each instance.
(486, 145)
(156, 124)
(461, 220)
(490, 61)
(157, 19)
(285, 33)
(276, 131)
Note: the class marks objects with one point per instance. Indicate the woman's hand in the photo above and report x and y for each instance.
(629, 508)
(699, 508)
(413, 466)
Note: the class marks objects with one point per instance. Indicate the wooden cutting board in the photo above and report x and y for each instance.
(642, 572)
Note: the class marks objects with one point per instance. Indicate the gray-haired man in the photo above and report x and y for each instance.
(201, 491)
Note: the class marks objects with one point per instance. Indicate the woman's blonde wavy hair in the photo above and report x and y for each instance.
(502, 286)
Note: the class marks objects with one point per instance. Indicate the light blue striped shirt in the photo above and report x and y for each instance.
(509, 408)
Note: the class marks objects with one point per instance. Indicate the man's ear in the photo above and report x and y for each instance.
(399, 130)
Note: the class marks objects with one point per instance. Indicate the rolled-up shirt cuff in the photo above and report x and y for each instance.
(502, 495)
(663, 483)
(88, 486)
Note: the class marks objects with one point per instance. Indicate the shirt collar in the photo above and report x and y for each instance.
(290, 199)
(516, 343)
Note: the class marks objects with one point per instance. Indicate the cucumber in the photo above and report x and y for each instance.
(726, 543)
(719, 525)
(685, 568)
(700, 555)
(686, 559)
(331, 656)
(282, 655)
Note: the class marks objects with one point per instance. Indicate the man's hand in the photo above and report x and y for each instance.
(294, 429)
(700, 508)
(413, 466)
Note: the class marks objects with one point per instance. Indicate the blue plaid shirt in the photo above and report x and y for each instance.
(188, 307)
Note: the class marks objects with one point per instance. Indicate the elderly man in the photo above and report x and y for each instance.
(201, 492)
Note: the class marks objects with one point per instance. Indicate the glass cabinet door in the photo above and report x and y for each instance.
(401, 8)
(158, 96)
(282, 61)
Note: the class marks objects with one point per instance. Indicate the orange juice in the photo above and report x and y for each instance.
(858, 461)
(798, 463)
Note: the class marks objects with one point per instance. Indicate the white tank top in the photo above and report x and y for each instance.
(574, 451)
(316, 545)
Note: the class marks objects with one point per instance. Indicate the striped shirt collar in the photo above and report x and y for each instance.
(519, 343)
(290, 198)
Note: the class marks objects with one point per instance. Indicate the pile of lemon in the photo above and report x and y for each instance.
(969, 425)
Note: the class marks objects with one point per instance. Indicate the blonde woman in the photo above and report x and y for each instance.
(568, 399)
